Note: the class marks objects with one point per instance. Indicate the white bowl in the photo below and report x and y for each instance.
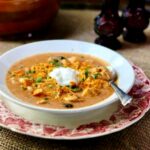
(64, 117)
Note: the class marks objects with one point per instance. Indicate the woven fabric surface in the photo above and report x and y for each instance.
(78, 25)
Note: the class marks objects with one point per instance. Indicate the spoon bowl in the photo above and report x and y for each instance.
(123, 97)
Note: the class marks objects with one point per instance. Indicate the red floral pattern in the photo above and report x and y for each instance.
(122, 118)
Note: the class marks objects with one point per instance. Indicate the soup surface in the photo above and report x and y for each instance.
(60, 80)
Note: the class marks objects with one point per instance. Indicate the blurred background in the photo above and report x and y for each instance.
(95, 4)
(27, 16)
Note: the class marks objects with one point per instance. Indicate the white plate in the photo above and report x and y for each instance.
(120, 119)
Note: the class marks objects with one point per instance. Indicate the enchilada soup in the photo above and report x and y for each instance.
(60, 80)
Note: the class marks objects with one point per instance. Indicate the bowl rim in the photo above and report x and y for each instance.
(64, 111)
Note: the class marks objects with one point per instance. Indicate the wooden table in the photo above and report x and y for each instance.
(78, 25)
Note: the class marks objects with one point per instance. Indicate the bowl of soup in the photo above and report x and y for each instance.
(62, 82)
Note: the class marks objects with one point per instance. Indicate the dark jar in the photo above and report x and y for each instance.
(135, 19)
(108, 25)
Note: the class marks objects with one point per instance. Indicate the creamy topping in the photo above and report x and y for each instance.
(64, 76)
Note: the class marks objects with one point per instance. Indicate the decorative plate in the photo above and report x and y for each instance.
(121, 119)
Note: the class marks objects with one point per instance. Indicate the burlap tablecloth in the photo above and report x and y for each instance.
(78, 25)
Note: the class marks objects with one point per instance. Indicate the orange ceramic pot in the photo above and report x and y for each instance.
(19, 16)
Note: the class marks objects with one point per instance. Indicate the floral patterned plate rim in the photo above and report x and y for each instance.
(119, 120)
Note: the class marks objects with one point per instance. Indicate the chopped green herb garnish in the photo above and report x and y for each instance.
(55, 93)
(24, 88)
(95, 76)
(82, 80)
(76, 89)
(46, 98)
(48, 77)
(39, 79)
(30, 72)
(68, 86)
(50, 86)
(86, 73)
(56, 63)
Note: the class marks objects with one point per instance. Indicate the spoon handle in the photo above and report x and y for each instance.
(124, 98)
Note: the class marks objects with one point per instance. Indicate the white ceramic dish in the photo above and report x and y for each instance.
(68, 118)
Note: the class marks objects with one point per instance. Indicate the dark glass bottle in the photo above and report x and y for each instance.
(108, 25)
(135, 19)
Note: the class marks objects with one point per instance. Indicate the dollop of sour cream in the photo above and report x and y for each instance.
(64, 76)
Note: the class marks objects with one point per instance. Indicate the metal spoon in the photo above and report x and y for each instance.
(124, 97)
